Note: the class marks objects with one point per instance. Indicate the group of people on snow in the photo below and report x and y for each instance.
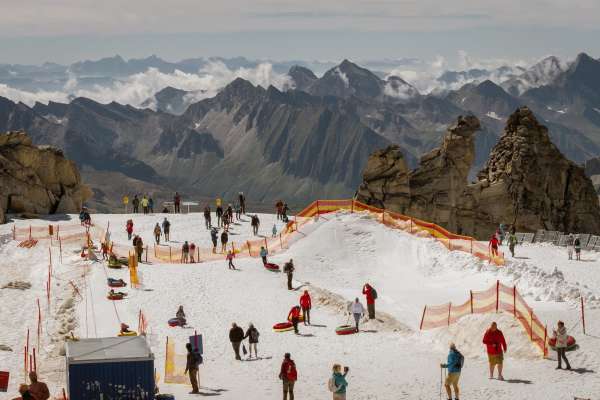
(146, 202)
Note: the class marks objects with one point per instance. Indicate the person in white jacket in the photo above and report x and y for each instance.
(357, 310)
(560, 334)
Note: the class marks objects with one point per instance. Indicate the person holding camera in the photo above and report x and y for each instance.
(337, 383)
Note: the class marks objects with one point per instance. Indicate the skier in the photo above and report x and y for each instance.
(454, 365)
(577, 245)
(288, 268)
(192, 252)
(193, 360)
(230, 256)
(139, 248)
(357, 310)
(561, 337)
(136, 204)
(255, 224)
(570, 243)
(371, 295)
(129, 228)
(151, 205)
(337, 383)
(496, 347)
(166, 225)
(493, 245)
(185, 252)
(236, 335)
(242, 199)
(289, 375)
(207, 217)
(224, 240)
(306, 304)
(294, 317)
(263, 254)
(512, 242)
(157, 233)
(145, 204)
(274, 230)
(180, 315)
(39, 390)
(252, 334)
(177, 203)
(214, 237)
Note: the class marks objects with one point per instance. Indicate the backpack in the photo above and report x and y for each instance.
(331, 385)
(374, 293)
(197, 358)
(292, 374)
(461, 359)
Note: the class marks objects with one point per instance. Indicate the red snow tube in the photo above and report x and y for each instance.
(345, 330)
(116, 296)
(570, 343)
(272, 267)
(116, 283)
(175, 322)
(283, 327)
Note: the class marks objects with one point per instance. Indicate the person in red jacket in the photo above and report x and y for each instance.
(129, 228)
(371, 296)
(496, 347)
(494, 245)
(294, 317)
(289, 375)
(306, 305)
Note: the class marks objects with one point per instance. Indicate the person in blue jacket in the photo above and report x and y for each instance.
(263, 254)
(454, 365)
(338, 383)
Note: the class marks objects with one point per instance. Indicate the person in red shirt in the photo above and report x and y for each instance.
(371, 295)
(306, 305)
(129, 228)
(294, 317)
(289, 375)
(496, 347)
(494, 245)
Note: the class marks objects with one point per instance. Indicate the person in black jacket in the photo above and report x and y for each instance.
(236, 335)
(224, 240)
(207, 217)
(252, 335)
(288, 268)
(214, 236)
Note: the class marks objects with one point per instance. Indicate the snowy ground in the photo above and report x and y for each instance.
(390, 359)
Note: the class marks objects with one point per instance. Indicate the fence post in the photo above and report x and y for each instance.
(497, 295)
(449, 244)
(280, 241)
(545, 340)
(583, 315)
(471, 297)
(146, 253)
(424, 308)
(155, 256)
(170, 255)
(471, 245)
(198, 252)
(60, 249)
(352, 210)
(266, 245)
(411, 225)
(57, 231)
(29, 232)
(64, 394)
(515, 301)
(531, 325)
(449, 310)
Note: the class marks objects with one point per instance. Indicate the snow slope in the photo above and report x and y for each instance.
(389, 359)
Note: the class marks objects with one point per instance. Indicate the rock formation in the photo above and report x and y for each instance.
(526, 183)
(37, 179)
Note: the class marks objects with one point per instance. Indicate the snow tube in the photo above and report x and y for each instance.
(176, 322)
(283, 327)
(115, 264)
(116, 296)
(130, 333)
(116, 282)
(272, 267)
(571, 344)
(345, 330)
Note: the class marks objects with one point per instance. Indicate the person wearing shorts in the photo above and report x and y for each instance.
(454, 365)
(496, 347)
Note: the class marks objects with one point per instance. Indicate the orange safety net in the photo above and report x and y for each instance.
(498, 298)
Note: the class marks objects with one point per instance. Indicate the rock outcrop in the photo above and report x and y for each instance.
(526, 183)
(37, 179)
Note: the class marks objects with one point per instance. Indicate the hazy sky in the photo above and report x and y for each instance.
(69, 30)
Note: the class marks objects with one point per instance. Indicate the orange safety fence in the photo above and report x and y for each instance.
(168, 254)
(498, 298)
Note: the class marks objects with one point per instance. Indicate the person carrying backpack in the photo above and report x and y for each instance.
(166, 225)
(288, 375)
(193, 360)
(337, 383)
(371, 295)
(252, 334)
(454, 364)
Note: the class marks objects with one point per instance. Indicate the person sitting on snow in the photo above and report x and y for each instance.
(180, 315)
(124, 328)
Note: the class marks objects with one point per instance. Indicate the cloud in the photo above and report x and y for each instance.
(343, 77)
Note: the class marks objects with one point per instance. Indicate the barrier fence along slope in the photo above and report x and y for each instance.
(498, 298)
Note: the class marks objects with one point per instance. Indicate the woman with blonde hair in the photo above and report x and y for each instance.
(337, 383)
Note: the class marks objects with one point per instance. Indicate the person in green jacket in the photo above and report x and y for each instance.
(338, 382)
(512, 242)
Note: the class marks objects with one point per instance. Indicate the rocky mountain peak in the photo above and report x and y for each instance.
(302, 77)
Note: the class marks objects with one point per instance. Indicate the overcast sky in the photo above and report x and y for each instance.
(69, 30)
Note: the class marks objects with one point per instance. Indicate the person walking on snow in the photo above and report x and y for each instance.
(214, 237)
(570, 245)
(129, 228)
(288, 268)
(496, 347)
(263, 254)
(512, 242)
(157, 233)
(151, 205)
(236, 335)
(255, 224)
(185, 252)
(288, 375)
(357, 310)
(371, 295)
(219, 214)
(454, 364)
(562, 338)
(224, 240)
(191, 367)
(166, 225)
(306, 304)
(139, 248)
(274, 230)
(229, 258)
(284, 212)
(577, 245)
(177, 203)
(279, 208)
(145, 205)
(494, 245)
(136, 204)
(294, 317)
(192, 252)
(104, 246)
(39, 390)
(252, 334)
(207, 217)
(337, 383)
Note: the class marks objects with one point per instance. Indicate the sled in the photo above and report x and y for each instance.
(115, 264)
(116, 296)
(571, 344)
(130, 333)
(176, 322)
(283, 327)
(345, 330)
(272, 267)
(116, 282)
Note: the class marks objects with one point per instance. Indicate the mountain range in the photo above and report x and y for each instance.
(307, 140)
